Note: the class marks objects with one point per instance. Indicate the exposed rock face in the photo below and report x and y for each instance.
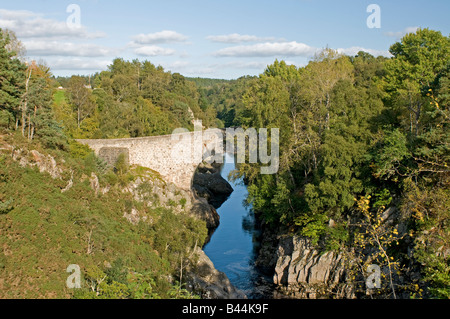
(204, 211)
(45, 163)
(209, 184)
(301, 270)
(155, 192)
(304, 272)
(298, 262)
(208, 282)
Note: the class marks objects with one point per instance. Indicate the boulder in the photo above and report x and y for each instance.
(205, 280)
(213, 183)
(209, 184)
(203, 210)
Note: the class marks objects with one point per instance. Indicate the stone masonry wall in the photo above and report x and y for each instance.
(111, 154)
(175, 156)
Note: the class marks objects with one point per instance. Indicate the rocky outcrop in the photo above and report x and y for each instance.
(203, 210)
(155, 192)
(205, 280)
(45, 163)
(209, 184)
(302, 271)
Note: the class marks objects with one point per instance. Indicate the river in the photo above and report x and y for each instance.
(233, 246)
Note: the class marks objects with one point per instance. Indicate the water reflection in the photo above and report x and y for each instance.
(234, 245)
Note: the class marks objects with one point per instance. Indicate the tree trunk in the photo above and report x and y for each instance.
(25, 102)
(79, 117)
(327, 105)
(29, 127)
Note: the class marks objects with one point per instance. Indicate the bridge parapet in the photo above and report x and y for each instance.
(175, 156)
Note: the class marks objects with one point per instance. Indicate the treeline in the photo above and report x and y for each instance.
(26, 95)
(130, 99)
(225, 96)
(359, 135)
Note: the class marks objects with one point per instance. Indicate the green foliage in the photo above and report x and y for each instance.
(78, 150)
(270, 197)
(389, 154)
(313, 226)
(12, 77)
(437, 274)
(353, 126)
(55, 229)
(7, 206)
(224, 98)
(130, 99)
(121, 165)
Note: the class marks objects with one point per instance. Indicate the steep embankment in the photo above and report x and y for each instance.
(307, 270)
(132, 234)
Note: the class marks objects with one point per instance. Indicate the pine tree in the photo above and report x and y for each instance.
(12, 79)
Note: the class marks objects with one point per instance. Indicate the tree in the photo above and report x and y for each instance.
(12, 78)
(81, 98)
(15, 46)
(418, 59)
(319, 78)
(374, 240)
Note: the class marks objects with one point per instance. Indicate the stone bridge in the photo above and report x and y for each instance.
(175, 157)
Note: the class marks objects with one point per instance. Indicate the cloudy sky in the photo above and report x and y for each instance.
(209, 38)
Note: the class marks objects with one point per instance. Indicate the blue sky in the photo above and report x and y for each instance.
(210, 38)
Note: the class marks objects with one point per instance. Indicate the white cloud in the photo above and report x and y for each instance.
(354, 51)
(401, 34)
(284, 49)
(243, 65)
(238, 38)
(178, 64)
(27, 24)
(153, 50)
(79, 64)
(16, 14)
(268, 49)
(55, 48)
(160, 37)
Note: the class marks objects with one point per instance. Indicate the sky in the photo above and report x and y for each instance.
(210, 38)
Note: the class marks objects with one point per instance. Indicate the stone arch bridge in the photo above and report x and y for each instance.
(175, 157)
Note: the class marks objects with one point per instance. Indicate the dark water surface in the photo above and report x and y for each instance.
(234, 244)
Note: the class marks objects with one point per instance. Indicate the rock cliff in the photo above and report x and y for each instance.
(302, 271)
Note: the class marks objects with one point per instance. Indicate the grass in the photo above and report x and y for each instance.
(43, 231)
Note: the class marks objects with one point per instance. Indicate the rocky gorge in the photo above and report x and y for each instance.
(209, 190)
(148, 188)
(299, 268)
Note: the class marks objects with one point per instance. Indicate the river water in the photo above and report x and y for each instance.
(233, 246)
